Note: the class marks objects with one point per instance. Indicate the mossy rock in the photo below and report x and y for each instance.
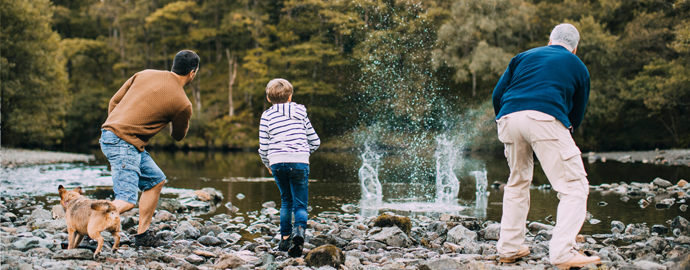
(386, 220)
(325, 255)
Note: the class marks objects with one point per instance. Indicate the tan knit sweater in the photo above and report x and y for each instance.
(145, 104)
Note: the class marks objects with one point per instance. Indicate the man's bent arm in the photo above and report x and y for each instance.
(180, 124)
(501, 86)
(580, 98)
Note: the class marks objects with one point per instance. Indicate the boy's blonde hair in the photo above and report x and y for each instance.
(278, 90)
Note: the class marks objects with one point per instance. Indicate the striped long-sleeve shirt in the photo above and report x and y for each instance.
(286, 135)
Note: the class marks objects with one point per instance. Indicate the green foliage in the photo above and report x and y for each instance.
(415, 65)
(34, 82)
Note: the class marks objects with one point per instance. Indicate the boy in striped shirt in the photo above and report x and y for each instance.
(286, 139)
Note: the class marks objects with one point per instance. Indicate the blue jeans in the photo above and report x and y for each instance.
(132, 170)
(293, 183)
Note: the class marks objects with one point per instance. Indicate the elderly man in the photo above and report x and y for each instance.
(538, 101)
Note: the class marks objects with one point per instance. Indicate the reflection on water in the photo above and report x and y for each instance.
(334, 182)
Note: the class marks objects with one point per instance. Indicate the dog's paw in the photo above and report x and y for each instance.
(96, 256)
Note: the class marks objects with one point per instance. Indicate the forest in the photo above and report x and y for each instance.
(404, 65)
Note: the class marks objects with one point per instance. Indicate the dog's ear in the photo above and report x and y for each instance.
(61, 191)
(79, 190)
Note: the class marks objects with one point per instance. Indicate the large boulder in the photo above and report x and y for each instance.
(228, 260)
(386, 220)
(327, 255)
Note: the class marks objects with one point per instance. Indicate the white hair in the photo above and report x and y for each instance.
(565, 34)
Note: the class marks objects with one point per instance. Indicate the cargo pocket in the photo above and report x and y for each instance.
(575, 175)
(503, 134)
(545, 128)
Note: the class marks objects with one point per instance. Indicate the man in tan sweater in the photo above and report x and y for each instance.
(147, 102)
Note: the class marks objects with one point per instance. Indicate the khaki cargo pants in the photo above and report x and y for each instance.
(523, 133)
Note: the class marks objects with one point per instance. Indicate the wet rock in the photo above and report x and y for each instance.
(231, 238)
(40, 214)
(127, 223)
(240, 196)
(209, 240)
(657, 244)
(461, 235)
(70, 254)
(386, 220)
(164, 216)
(328, 255)
(186, 229)
(665, 203)
(269, 204)
(194, 259)
(328, 239)
(659, 229)
(535, 227)
(393, 236)
(684, 207)
(438, 227)
(544, 235)
(682, 225)
(682, 183)
(24, 244)
(643, 203)
(449, 247)
(211, 228)
(661, 183)
(491, 232)
(637, 229)
(617, 227)
(170, 205)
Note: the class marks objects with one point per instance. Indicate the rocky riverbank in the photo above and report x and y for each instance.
(661, 157)
(31, 237)
(20, 157)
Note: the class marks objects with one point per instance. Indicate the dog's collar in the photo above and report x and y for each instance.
(65, 203)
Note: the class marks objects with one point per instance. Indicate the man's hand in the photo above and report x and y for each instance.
(269, 171)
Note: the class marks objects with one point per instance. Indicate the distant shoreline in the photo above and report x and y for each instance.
(660, 157)
(20, 157)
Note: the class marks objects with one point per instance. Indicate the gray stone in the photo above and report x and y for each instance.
(156, 265)
(661, 183)
(185, 228)
(231, 238)
(40, 214)
(127, 223)
(649, 265)
(443, 264)
(617, 227)
(461, 235)
(228, 260)
(25, 266)
(637, 229)
(535, 227)
(57, 211)
(439, 227)
(491, 232)
(374, 245)
(70, 254)
(393, 236)
(24, 244)
(194, 259)
(211, 228)
(353, 263)
(657, 244)
(209, 240)
(682, 224)
(659, 229)
(164, 215)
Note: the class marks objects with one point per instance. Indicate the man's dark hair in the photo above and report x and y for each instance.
(185, 61)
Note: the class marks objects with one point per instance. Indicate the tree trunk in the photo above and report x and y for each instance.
(474, 84)
(122, 52)
(232, 73)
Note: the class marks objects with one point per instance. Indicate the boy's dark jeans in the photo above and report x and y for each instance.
(293, 183)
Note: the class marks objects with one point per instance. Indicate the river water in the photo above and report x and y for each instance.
(334, 182)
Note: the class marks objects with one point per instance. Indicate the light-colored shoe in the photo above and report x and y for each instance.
(524, 251)
(580, 260)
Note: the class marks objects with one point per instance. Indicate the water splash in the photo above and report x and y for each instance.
(480, 177)
(447, 184)
(369, 176)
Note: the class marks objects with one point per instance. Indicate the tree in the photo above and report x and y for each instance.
(482, 36)
(34, 82)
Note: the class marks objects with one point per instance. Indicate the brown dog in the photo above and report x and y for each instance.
(85, 216)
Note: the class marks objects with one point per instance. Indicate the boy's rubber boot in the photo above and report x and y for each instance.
(297, 242)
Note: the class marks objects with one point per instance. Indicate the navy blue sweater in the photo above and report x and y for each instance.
(548, 79)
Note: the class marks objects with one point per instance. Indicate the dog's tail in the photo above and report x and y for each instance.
(103, 206)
